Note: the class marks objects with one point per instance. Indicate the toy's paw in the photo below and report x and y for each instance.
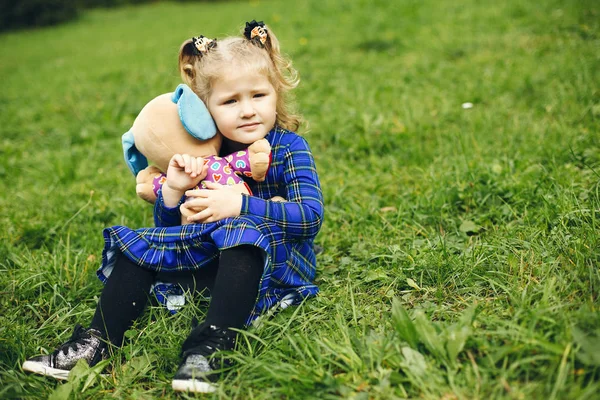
(187, 212)
(259, 165)
(145, 191)
(145, 183)
(147, 174)
(278, 199)
(259, 154)
(260, 146)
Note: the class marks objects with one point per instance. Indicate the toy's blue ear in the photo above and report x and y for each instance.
(134, 159)
(193, 113)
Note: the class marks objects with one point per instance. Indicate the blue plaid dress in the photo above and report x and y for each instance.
(284, 230)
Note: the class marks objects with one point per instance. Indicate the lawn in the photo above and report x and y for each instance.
(461, 242)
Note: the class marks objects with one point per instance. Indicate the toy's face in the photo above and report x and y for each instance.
(159, 134)
(243, 106)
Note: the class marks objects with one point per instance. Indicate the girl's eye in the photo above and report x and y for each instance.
(230, 101)
(259, 95)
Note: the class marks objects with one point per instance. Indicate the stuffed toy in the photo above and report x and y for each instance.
(179, 122)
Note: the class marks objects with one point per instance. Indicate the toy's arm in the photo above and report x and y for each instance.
(301, 215)
(219, 171)
(259, 153)
(148, 181)
(253, 162)
(151, 179)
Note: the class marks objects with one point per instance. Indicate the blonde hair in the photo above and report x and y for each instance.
(199, 70)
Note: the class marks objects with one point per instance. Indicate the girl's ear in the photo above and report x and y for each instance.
(194, 115)
(187, 57)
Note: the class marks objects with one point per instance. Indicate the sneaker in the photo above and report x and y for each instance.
(200, 368)
(84, 343)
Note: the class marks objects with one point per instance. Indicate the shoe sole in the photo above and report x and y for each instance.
(41, 369)
(193, 385)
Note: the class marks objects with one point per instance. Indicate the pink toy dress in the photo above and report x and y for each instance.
(224, 170)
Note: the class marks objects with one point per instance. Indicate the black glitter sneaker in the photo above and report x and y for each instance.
(201, 366)
(84, 343)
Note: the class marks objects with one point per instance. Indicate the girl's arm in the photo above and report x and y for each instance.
(166, 216)
(183, 171)
(301, 216)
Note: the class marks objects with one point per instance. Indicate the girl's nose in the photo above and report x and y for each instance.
(247, 110)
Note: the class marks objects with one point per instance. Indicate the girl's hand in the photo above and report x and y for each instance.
(184, 171)
(217, 202)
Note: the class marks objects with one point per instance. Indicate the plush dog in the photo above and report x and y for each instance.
(177, 123)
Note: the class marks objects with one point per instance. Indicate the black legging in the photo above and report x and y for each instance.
(233, 283)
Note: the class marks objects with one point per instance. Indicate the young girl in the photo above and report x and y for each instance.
(250, 252)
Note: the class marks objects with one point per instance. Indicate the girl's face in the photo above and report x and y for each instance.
(243, 106)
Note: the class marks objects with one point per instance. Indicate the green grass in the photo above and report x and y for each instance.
(461, 245)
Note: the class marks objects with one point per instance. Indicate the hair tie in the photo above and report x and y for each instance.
(202, 45)
(256, 30)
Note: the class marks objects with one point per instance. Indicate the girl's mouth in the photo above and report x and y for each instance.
(249, 126)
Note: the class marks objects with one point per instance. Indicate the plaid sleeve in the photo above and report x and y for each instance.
(165, 216)
(301, 215)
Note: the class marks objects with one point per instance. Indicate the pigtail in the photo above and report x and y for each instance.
(260, 35)
(191, 53)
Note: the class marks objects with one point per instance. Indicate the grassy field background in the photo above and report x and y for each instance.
(461, 246)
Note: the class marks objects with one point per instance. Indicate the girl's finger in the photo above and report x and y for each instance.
(177, 159)
(200, 165)
(209, 219)
(193, 167)
(202, 216)
(197, 193)
(186, 159)
(193, 202)
(213, 185)
(204, 170)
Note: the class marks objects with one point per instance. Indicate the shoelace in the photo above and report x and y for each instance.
(206, 339)
(79, 334)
